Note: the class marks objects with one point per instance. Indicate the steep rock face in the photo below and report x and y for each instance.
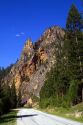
(27, 50)
(36, 60)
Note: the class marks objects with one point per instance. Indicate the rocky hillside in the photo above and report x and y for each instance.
(35, 61)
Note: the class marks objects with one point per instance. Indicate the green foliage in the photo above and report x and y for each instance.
(1, 106)
(72, 92)
(7, 93)
(19, 98)
(35, 98)
(4, 71)
(8, 98)
(13, 96)
(9, 118)
(44, 103)
(74, 20)
(66, 112)
(61, 87)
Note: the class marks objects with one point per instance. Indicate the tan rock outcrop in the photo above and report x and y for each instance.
(36, 60)
(27, 50)
(17, 80)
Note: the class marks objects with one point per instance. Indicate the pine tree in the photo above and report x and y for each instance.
(73, 23)
(19, 98)
(5, 91)
(13, 96)
(74, 45)
(64, 82)
(56, 84)
(6, 97)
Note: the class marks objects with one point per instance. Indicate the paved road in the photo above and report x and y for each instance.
(35, 117)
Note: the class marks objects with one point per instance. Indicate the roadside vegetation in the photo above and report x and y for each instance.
(62, 93)
(73, 113)
(9, 118)
(8, 99)
(63, 88)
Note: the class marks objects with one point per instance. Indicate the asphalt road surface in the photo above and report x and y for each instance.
(35, 117)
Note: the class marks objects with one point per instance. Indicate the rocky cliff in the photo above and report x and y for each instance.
(35, 61)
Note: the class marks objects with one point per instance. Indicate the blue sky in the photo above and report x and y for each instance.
(20, 19)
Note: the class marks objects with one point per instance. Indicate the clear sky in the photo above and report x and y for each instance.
(20, 19)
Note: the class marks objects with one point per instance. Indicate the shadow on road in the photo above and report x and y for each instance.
(5, 119)
(22, 116)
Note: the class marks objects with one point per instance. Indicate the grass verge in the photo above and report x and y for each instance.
(9, 118)
(74, 113)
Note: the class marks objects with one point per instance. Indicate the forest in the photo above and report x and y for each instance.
(64, 83)
(8, 97)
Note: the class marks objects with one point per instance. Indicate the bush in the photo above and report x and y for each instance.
(1, 107)
(44, 103)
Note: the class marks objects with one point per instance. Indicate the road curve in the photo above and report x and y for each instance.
(35, 117)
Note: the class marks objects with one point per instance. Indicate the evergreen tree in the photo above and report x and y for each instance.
(56, 83)
(19, 98)
(74, 20)
(6, 98)
(74, 45)
(13, 96)
(63, 85)
(5, 91)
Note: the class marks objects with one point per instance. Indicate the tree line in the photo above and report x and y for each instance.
(8, 97)
(64, 83)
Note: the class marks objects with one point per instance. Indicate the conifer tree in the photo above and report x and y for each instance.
(19, 98)
(63, 85)
(6, 97)
(73, 23)
(13, 96)
(74, 45)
